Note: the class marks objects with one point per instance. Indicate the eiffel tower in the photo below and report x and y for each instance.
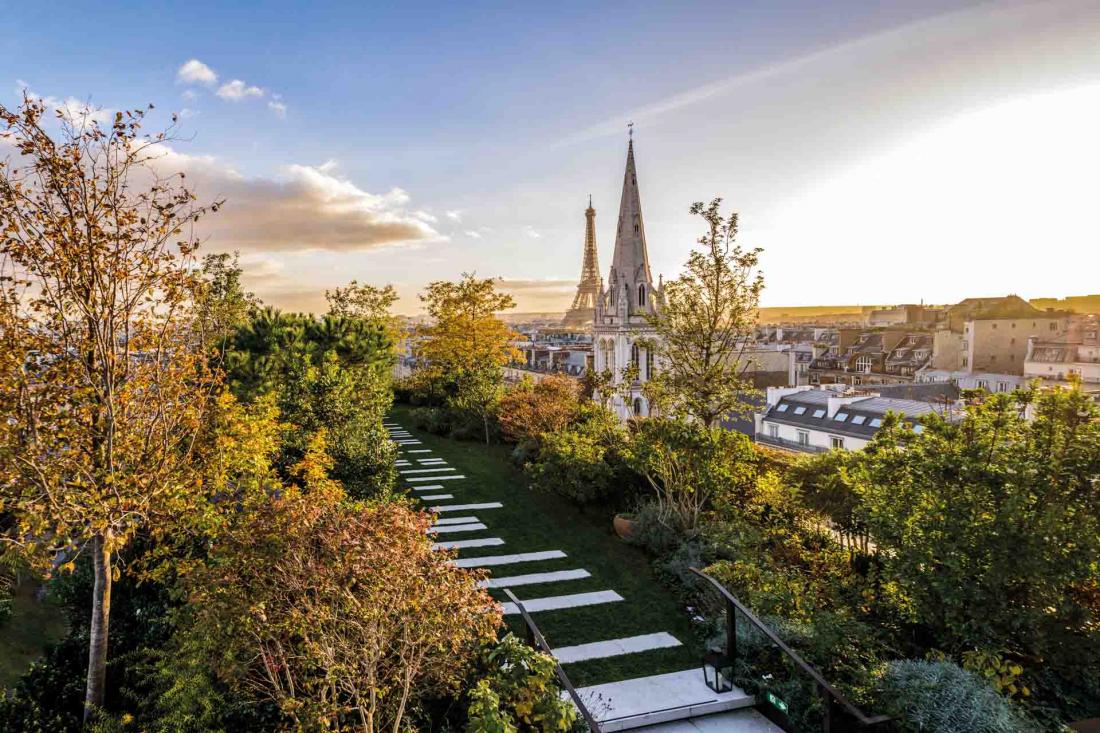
(588, 289)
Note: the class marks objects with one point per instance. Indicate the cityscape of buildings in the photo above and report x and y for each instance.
(822, 382)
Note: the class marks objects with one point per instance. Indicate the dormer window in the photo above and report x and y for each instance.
(641, 295)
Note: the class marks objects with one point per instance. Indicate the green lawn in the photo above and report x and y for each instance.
(531, 521)
(33, 625)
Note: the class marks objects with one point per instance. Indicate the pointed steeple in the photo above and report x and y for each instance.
(630, 261)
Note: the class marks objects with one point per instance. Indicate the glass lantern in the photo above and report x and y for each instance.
(718, 670)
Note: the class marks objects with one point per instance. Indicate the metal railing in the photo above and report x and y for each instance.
(789, 444)
(835, 703)
(536, 639)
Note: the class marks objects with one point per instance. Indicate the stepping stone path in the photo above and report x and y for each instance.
(676, 702)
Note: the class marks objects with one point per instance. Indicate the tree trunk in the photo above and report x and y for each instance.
(485, 420)
(97, 642)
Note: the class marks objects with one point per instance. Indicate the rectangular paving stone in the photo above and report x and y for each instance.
(485, 562)
(615, 647)
(462, 544)
(466, 507)
(451, 528)
(429, 487)
(455, 520)
(426, 470)
(433, 478)
(532, 578)
(436, 497)
(554, 603)
(420, 450)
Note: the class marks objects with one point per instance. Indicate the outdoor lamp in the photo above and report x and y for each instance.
(718, 670)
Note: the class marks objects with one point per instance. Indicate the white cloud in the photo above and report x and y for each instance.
(237, 90)
(473, 234)
(454, 215)
(189, 95)
(531, 232)
(279, 108)
(196, 72)
(306, 208)
(72, 108)
(425, 216)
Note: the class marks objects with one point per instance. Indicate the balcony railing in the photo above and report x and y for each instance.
(775, 666)
(536, 639)
(789, 444)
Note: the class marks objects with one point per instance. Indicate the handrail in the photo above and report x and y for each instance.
(536, 639)
(828, 689)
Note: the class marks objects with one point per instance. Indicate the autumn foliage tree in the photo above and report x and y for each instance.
(461, 354)
(103, 382)
(338, 612)
(531, 410)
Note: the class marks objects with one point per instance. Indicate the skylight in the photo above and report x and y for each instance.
(840, 416)
(859, 419)
(876, 423)
(819, 413)
(800, 410)
(782, 408)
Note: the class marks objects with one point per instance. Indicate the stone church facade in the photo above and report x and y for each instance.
(621, 330)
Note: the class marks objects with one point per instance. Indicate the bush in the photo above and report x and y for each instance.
(571, 464)
(435, 420)
(943, 697)
(517, 692)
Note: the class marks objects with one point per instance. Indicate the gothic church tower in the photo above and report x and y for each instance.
(620, 326)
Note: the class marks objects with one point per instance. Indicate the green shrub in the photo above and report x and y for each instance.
(943, 697)
(517, 692)
(571, 464)
(434, 420)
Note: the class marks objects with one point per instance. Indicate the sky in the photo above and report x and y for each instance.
(879, 152)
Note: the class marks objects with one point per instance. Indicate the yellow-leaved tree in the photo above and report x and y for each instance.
(103, 378)
(462, 353)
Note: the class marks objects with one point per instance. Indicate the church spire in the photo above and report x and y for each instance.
(630, 261)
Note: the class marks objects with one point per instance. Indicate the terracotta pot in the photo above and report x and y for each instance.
(624, 526)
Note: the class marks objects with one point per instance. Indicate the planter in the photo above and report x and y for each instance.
(624, 526)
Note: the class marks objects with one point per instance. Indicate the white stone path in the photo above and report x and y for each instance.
(646, 702)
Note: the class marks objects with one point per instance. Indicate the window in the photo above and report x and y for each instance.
(966, 360)
(859, 419)
(649, 364)
(634, 353)
(803, 437)
(773, 431)
(994, 326)
(641, 294)
(1002, 387)
(918, 429)
(863, 363)
(876, 422)
(836, 443)
(840, 416)
(983, 384)
(819, 413)
(1053, 326)
(637, 405)
(782, 408)
(800, 410)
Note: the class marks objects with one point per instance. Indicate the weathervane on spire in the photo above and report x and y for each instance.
(630, 130)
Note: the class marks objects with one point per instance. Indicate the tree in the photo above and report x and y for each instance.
(989, 526)
(223, 303)
(687, 465)
(367, 302)
(461, 354)
(104, 382)
(532, 410)
(341, 613)
(704, 323)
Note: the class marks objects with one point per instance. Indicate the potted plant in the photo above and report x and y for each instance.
(624, 525)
